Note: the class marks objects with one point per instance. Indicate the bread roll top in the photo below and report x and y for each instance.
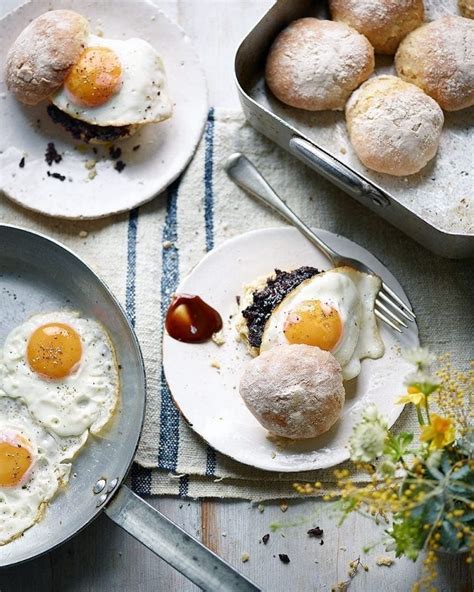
(439, 58)
(42, 55)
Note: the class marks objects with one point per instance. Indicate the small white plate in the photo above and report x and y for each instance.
(209, 397)
(165, 148)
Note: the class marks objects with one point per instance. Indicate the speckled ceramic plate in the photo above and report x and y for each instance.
(165, 148)
(209, 397)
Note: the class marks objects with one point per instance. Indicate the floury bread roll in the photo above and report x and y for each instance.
(384, 22)
(41, 57)
(315, 64)
(394, 126)
(439, 58)
(294, 391)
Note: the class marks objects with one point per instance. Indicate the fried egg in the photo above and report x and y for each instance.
(33, 465)
(63, 368)
(334, 311)
(116, 83)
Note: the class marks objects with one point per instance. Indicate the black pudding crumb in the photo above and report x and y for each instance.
(135, 148)
(284, 557)
(316, 532)
(57, 176)
(21, 164)
(265, 538)
(80, 130)
(257, 313)
(51, 154)
(115, 153)
(322, 542)
(119, 166)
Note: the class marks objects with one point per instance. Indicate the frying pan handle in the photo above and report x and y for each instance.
(336, 172)
(174, 545)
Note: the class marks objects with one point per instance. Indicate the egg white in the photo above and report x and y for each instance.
(369, 344)
(143, 96)
(23, 505)
(85, 399)
(352, 294)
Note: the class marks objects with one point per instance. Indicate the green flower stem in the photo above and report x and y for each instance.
(465, 485)
(460, 499)
(366, 514)
(427, 410)
(419, 415)
(403, 463)
(420, 482)
(433, 527)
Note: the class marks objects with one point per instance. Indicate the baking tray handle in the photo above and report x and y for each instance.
(174, 545)
(336, 172)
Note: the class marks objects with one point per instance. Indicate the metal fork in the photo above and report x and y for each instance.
(389, 307)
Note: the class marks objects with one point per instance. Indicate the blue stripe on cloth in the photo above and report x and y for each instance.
(210, 461)
(141, 480)
(183, 486)
(209, 227)
(208, 181)
(169, 414)
(131, 266)
(141, 477)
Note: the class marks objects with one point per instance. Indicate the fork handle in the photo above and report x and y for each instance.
(245, 175)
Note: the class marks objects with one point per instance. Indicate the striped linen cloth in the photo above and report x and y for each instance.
(143, 255)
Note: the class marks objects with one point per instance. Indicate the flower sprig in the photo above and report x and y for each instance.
(420, 384)
(420, 487)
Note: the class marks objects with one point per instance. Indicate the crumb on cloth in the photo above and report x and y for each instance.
(384, 560)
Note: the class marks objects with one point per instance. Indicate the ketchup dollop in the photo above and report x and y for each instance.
(191, 320)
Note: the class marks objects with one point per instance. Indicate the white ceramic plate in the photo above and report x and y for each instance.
(165, 148)
(209, 397)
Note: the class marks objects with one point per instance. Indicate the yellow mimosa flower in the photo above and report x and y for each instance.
(413, 395)
(439, 433)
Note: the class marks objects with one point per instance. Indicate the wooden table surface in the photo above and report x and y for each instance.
(104, 558)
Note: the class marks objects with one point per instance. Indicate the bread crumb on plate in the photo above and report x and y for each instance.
(218, 338)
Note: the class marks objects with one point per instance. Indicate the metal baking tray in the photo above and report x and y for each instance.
(434, 207)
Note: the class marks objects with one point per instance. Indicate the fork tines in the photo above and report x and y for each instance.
(389, 308)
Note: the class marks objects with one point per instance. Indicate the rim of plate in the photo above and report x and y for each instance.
(337, 458)
(176, 171)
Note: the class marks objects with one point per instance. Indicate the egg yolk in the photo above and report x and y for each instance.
(54, 350)
(313, 323)
(95, 78)
(15, 461)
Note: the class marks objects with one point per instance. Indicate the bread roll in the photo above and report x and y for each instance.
(315, 64)
(439, 58)
(467, 8)
(294, 391)
(384, 22)
(40, 58)
(394, 126)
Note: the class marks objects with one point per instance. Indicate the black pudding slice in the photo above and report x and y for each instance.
(267, 299)
(87, 131)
